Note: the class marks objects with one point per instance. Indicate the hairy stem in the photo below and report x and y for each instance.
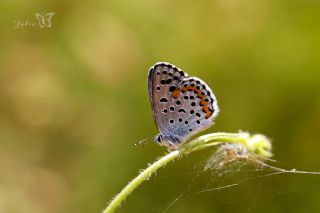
(255, 144)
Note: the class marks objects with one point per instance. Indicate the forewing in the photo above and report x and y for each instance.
(163, 80)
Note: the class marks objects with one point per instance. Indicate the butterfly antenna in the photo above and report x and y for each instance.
(143, 142)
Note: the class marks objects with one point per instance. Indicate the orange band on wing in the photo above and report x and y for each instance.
(176, 93)
(204, 103)
(190, 88)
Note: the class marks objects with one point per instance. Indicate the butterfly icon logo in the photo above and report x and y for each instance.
(45, 19)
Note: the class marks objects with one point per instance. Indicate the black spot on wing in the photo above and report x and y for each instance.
(182, 110)
(168, 81)
(163, 100)
(172, 88)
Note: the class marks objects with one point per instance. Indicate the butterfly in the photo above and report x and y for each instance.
(44, 19)
(181, 105)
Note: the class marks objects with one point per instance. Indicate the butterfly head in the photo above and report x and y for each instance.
(170, 141)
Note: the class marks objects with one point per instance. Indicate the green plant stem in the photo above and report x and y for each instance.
(144, 175)
(256, 144)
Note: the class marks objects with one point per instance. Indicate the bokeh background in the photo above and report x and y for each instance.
(74, 101)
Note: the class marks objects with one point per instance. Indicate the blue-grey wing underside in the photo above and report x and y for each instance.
(182, 106)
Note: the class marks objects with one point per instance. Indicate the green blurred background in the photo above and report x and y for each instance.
(74, 102)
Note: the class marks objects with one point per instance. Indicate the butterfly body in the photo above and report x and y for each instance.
(182, 106)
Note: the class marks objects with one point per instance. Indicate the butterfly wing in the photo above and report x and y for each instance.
(163, 79)
(182, 106)
(197, 110)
